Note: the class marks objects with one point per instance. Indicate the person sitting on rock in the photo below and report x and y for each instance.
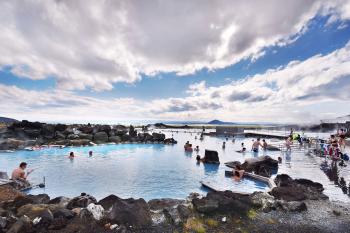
(19, 173)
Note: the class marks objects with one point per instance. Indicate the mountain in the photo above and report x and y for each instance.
(7, 120)
(217, 122)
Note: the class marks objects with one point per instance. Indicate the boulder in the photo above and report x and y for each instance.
(291, 206)
(48, 131)
(81, 201)
(158, 137)
(108, 201)
(97, 211)
(126, 137)
(60, 135)
(170, 141)
(36, 211)
(211, 156)
(32, 133)
(263, 200)
(130, 212)
(85, 136)
(72, 136)
(26, 124)
(39, 199)
(101, 137)
(174, 210)
(22, 225)
(63, 213)
(86, 129)
(262, 165)
(253, 164)
(297, 190)
(79, 142)
(132, 131)
(60, 201)
(60, 127)
(8, 193)
(225, 202)
(12, 144)
(115, 139)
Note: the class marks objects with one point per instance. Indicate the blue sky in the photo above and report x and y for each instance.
(144, 73)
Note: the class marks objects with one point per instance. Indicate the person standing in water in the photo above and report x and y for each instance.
(90, 153)
(289, 143)
(264, 144)
(255, 146)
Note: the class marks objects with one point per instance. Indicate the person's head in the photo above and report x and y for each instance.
(263, 140)
(23, 165)
(279, 159)
(188, 142)
(244, 149)
(238, 167)
(242, 143)
(258, 139)
(197, 146)
(236, 174)
(71, 154)
(90, 152)
(332, 136)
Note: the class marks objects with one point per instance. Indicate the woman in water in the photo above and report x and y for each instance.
(71, 155)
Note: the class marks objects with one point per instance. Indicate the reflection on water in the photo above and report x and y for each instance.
(155, 171)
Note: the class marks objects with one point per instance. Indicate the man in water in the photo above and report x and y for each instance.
(264, 144)
(19, 173)
(256, 144)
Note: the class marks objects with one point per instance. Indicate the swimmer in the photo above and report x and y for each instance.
(90, 153)
(223, 145)
(279, 159)
(71, 155)
(256, 144)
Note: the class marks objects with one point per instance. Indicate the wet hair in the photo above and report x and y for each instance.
(71, 153)
(236, 173)
(23, 164)
(242, 143)
(258, 139)
(332, 136)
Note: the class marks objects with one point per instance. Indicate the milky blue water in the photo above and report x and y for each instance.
(150, 170)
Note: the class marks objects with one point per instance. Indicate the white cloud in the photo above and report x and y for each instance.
(94, 44)
(302, 91)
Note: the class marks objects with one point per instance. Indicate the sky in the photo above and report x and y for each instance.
(160, 60)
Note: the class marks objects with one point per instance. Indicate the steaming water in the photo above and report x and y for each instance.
(153, 170)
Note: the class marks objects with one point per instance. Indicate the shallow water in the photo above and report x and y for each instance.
(153, 170)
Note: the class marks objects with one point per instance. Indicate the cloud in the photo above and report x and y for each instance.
(93, 44)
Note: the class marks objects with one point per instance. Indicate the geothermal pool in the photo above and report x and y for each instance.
(154, 170)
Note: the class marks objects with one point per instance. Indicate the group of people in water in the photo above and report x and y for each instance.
(72, 155)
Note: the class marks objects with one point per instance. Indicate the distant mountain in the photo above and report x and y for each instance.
(217, 122)
(7, 120)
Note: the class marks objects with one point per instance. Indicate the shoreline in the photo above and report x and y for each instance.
(284, 209)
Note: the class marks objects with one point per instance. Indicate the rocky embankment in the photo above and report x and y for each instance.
(293, 206)
(27, 134)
